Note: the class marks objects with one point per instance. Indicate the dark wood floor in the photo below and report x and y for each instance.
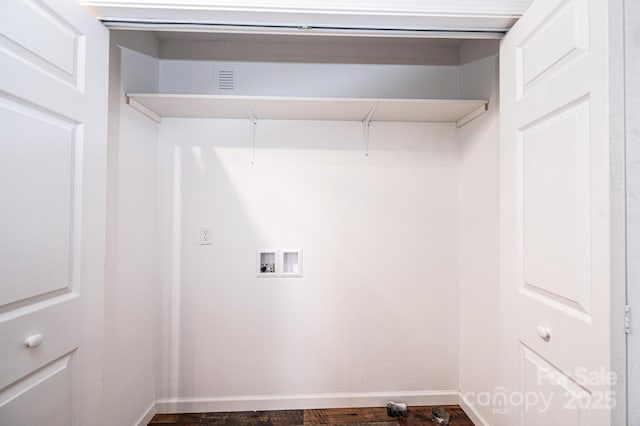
(334, 416)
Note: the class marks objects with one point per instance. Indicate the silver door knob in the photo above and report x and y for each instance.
(544, 333)
(34, 340)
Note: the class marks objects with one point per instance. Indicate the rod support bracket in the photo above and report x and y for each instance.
(365, 124)
(254, 122)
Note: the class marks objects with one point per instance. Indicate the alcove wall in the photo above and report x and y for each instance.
(399, 293)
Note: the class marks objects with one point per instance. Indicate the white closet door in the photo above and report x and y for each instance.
(53, 113)
(555, 215)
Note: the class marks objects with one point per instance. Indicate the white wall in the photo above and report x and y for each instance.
(312, 79)
(400, 283)
(479, 230)
(131, 302)
(314, 49)
(376, 311)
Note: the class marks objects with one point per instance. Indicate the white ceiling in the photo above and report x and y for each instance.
(409, 6)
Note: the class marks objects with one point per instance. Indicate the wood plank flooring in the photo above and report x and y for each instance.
(335, 416)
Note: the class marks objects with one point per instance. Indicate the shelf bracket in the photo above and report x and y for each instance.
(254, 122)
(472, 115)
(365, 125)
(142, 109)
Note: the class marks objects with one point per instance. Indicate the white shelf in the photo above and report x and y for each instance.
(157, 106)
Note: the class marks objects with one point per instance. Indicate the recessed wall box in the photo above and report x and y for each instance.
(267, 263)
(291, 262)
(279, 263)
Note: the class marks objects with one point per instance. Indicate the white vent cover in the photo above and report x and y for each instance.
(226, 80)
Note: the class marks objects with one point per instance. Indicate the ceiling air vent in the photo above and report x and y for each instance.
(226, 80)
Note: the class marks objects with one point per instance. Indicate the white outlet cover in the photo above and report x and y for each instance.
(206, 235)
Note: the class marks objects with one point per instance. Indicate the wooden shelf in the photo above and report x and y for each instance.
(157, 106)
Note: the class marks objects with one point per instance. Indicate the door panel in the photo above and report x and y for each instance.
(45, 394)
(556, 203)
(56, 48)
(53, 112)
(557, 40)
(569, 401)
(555, 213)
(49, 318)
(38, 151)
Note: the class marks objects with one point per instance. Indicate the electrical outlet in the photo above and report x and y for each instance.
(205, 235)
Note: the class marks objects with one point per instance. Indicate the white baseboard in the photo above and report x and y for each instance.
(148, 415)
(309, 401)
(471, 411)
